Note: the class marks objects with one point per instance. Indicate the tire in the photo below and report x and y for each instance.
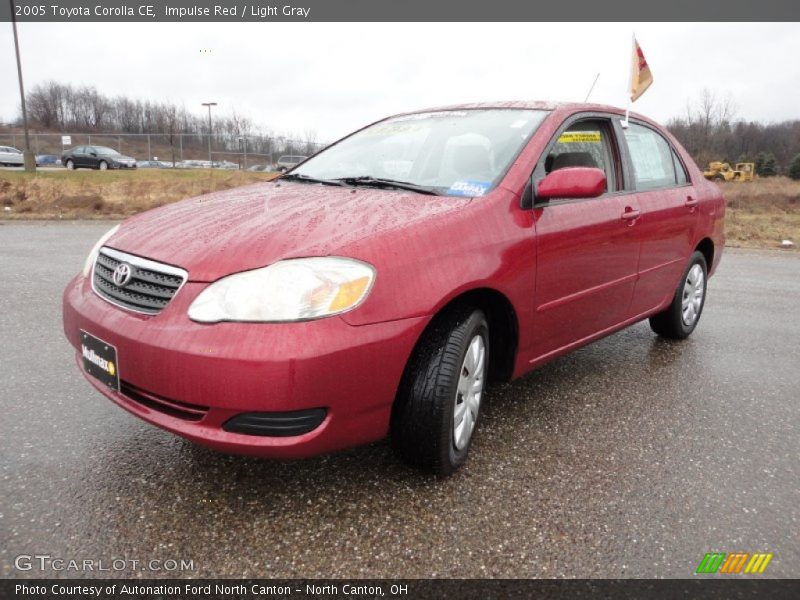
(680, 318)
(452, 358)
(102, 165)
(70, 165)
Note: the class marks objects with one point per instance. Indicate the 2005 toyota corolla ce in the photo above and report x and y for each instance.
(378, 286)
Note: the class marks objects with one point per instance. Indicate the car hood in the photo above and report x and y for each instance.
(250, 227)
(117, 157)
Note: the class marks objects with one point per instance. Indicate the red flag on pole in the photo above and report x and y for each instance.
(641, 77)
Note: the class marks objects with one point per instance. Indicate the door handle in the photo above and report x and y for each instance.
(690, 202)
(630, 213)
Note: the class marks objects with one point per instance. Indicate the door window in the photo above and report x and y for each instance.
(652, 158)
(585, 144)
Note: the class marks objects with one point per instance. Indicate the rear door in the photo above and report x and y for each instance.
(668, 206)
(587, 250)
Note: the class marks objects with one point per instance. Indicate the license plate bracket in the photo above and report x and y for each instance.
(100, 360)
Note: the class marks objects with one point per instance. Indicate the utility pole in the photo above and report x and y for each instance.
(28, 157)
(243, 141)
(209, 105)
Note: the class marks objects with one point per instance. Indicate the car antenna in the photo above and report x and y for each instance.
(589, 93)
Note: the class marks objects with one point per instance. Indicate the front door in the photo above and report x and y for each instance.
(587, 249)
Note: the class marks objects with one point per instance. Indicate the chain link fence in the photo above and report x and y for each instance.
(223, 150)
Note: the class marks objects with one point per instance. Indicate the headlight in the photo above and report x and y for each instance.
(87, 266)
(290, 290)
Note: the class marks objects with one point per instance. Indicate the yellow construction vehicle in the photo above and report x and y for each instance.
(747, 171)
(722, 171)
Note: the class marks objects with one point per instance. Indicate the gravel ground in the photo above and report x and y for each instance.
(629, 458)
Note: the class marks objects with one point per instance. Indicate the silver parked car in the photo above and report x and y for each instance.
(11, 157)
(289, 162)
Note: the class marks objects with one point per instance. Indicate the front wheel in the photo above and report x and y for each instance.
(439, 402)
(103, 166)
(678, 321)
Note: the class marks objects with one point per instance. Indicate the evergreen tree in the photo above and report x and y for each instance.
(794, 168)
(770, 168)
(766, 165)
(760, 160)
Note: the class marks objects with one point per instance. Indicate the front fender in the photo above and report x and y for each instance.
(487, 244)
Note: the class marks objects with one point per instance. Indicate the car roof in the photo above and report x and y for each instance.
(567, 107)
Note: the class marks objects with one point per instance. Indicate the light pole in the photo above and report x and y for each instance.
(243, 141)
(28, 157)
(209, 105)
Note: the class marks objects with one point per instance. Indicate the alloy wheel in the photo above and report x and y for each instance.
(469, 392)
(693, 292)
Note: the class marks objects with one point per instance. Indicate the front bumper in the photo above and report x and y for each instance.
(222, 370)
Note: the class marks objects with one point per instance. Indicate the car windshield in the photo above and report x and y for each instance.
(453, 152)
(105, 151)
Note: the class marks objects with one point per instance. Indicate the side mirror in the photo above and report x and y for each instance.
(573, 182)
(93, 153)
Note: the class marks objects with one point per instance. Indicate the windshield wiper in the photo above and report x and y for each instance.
(306, 178)
(388, 183)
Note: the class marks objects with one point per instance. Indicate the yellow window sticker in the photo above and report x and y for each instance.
(574, 137)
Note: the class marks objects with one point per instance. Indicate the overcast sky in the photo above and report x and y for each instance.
(331, 77)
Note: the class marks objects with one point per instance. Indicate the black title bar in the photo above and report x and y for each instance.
(153, 11)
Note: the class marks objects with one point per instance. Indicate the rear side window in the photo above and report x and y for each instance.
(652, 158)
(681, 178)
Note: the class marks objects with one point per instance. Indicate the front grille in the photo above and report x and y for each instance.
(151, 285)
(173, 408)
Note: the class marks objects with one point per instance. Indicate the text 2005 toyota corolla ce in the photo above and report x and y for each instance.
(377, 287)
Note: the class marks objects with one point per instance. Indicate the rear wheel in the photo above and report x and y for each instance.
(438, 406)
(680, 318)
(70, 165)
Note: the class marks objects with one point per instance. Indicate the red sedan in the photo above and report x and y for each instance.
(378, 286)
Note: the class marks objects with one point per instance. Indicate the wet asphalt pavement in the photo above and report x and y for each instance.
(631, 457)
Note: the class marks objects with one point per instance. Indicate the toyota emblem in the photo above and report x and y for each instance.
(122, 274)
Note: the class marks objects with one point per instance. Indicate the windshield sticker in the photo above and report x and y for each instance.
(393, 127)
(518, 124)
(579, 136)
(430, 115)
(469, 188)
